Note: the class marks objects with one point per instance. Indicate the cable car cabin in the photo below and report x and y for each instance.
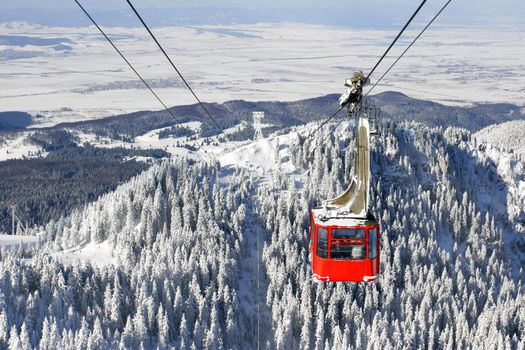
(344, 249)
(344, 236)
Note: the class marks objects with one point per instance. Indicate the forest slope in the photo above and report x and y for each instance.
(452, 249)
(510, 135)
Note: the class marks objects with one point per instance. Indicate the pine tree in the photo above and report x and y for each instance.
(164, 328)
(3, 327)
(127, 339)
(14, 340)
(213, 335)
(25, 343)
(96, 339)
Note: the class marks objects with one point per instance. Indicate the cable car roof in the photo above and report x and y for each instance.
(341, 220)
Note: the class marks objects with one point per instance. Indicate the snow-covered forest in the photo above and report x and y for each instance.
(188, 237)
(508, 135)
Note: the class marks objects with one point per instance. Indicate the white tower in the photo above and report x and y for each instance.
(257, 125)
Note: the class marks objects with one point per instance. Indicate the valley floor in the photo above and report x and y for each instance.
(453, 65)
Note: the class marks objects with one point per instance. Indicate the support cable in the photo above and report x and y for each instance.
(134, 70)
(386, 52)
(395, 40)
(128, 63)
(174, 67)
(397, 60)
(408, 47)
(373, 69)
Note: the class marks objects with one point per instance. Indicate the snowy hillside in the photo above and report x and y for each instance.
(510, 135)
(199, 255)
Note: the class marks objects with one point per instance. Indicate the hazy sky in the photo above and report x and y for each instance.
(388, 11)
(496, 7)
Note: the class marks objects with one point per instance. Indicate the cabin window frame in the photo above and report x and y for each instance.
(327, 243)
(356, 241)
(369, 245)
(360, 245)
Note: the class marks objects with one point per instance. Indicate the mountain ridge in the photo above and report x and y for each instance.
(395, 106)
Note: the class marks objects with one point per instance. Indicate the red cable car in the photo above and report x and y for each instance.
(344, 249)
(344, 236)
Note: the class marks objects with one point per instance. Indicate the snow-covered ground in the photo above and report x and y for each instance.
(512, 172)
(263, 156)
(98, 254)
(274, 62)
(17, 146)
(16, 241)
(172, 145)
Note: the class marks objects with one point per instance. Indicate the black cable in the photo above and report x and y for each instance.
(409, 46)
(393, 64)
(327, 120)
(129, 64)
(133, 68)
(377, 64)
(174, 67)
(395, 40)
(323, 124)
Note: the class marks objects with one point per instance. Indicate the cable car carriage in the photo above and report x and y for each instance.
(344, 236)
(344, 249)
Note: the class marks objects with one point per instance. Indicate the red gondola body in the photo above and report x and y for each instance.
(344, 236)
(344, 249)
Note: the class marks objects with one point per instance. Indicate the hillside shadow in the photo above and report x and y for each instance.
(485, 188)
(480, 180)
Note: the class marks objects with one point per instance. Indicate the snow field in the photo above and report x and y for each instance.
(18, 147)
(98, 254)
(18, 241)
(285, 62)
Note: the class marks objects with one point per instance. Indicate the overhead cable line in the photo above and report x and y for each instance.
(395, 40)
(373, 69)
(174, 67)
(408, 47)
(128, 63)
(133, 69)
(397, 60)
(324, 123)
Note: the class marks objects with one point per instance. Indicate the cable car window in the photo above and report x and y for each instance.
(372, 243)
(347, 251)
(322, 243)
(348, 233)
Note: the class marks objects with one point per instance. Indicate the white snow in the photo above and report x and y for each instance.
(150, 140)
(290, 61)
(17, 146)
(510, 135)
(98, 254)
(15, 241)
(152, 137)
(513, 174)
(262, 156)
